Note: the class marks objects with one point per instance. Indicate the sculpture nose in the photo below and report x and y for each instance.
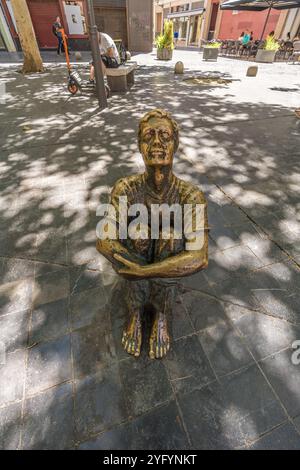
(157, 141)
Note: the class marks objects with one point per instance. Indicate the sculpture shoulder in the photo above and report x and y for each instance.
(190, 193)
(127, 185)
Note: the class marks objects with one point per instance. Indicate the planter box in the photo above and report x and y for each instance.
(164, 54)
(210, 53)
(265, 56)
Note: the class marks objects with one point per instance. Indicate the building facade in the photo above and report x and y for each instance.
(121, 19)
(187, 19)
(204, 20)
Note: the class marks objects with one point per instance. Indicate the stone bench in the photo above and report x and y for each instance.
(121, 78)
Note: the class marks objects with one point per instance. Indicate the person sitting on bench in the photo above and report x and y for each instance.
(107, 48)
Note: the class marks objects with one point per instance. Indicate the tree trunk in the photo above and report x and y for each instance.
(32, 57)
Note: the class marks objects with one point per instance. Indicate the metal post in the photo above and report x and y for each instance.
(100, 86)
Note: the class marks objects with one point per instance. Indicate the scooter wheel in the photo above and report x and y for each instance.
(107, 89)
(72, 88)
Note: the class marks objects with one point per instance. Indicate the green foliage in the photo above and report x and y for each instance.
(165, 40)
(271, 44)
(213, 45)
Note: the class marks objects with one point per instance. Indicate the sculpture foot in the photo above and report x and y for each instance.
(132, 335)
(159, 338)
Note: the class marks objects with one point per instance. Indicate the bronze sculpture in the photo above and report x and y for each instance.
(152, 264)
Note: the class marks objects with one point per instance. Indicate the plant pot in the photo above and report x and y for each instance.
(265, 56)
(164, 54)
(210, 53)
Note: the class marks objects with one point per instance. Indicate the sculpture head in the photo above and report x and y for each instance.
(158, 138)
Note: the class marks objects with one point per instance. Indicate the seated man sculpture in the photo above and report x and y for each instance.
(152, 261)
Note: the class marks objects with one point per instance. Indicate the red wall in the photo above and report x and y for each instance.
(232, 25)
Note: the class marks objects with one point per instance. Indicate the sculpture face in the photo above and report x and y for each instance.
(157, 142)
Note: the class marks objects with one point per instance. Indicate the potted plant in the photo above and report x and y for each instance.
(165, 43)
(211, 50)
(268, 51)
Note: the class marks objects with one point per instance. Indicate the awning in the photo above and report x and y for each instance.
(180, 14)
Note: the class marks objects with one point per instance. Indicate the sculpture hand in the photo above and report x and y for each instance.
(131, 269)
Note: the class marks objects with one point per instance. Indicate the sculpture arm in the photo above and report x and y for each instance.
(183, 264)
(110, 248)
(180, 265)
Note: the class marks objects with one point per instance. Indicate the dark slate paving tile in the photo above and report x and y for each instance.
(99, 402)
(228, 415)
(237, 290)
(224, 348)
(93, 349)
(12, 270)
(89, 307)
(49, 321)
(123, 437)
(51, 246)
(266, 250)
(10, 427)
(187, 365)
(16, 296)
(297, 423)
(41, 269)
(279, 303)
(156, 430)
(286, 274)
(181, 324)
(204, 311)
(224, 237)
(217, 270)
(284, 376)
(14, 330)
(81, 280)
(235, 312)
(196, 281)
(49, 364)
(284, 437)
(161, 429)
(51, 287)
(16, 243)
(265, 335)
(233, 215)
(49, 421)
(12, 375)
(145, 383)
(240, 259)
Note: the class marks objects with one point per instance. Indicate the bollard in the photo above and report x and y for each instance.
(252, 71)
(78, 55)
(179, 68)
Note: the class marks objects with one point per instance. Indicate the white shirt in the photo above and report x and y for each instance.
(106, 43)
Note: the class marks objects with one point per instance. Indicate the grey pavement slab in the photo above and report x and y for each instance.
(285, 437)
(49, 420)
(10, 427)
(265, 335)
(146, 384)
(12, 377)
(221, 417)
(49, 364)
(161, 429)
(188, 366)
(100, 402)
(284, 377)
(49, 321)
(59, 159)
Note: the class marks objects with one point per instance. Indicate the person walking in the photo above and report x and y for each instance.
(56, 27)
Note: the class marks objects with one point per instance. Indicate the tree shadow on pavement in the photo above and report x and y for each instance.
(229, 381)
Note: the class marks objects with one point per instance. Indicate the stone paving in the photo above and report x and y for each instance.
(229, 381)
